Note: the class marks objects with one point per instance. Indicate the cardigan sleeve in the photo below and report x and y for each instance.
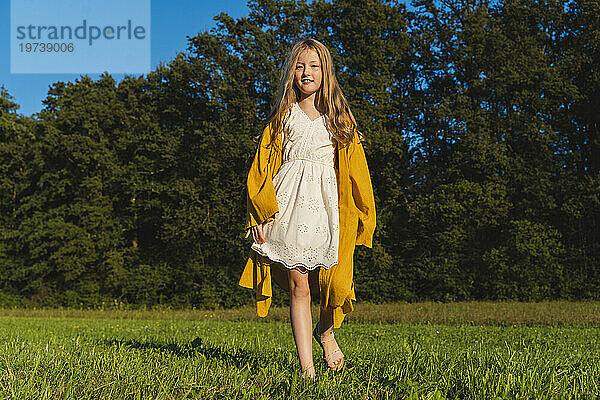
(261, 198)
(362, 192)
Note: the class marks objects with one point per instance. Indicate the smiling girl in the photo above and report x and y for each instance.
(310, 201)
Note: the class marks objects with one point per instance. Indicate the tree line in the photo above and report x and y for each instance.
(482, 127)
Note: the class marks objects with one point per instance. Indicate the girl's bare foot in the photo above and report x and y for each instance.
(308, 374)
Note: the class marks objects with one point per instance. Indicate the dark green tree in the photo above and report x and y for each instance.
(482, 139)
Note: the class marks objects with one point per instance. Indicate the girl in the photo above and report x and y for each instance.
(310, 201)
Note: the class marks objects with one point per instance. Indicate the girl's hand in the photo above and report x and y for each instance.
(257, 232)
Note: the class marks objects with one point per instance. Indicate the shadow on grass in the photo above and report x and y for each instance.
(238, 357)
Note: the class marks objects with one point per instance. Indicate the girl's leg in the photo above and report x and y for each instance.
(301, 318)
(325, 321)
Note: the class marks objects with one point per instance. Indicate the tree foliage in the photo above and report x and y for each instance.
(483, 141)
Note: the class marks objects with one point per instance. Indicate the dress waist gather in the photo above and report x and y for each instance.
(327, 163)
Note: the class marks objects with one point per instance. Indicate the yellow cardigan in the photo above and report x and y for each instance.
(357, 224)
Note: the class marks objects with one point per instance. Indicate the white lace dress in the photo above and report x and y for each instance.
(305, 231)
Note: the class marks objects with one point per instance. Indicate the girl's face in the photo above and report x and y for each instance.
(308, 73)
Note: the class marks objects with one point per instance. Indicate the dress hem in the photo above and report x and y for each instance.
(282, 262)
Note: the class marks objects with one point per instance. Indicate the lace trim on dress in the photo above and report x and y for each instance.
(299, 264)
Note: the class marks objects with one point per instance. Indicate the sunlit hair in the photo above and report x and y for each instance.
(329, 97)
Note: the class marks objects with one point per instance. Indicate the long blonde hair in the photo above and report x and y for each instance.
(341, 122)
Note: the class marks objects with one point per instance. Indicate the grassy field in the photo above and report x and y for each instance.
(431, 351)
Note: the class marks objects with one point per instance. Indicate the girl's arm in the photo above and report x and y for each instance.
(261, 199)
(362, 192)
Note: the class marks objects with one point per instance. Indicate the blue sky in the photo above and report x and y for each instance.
(171, 21)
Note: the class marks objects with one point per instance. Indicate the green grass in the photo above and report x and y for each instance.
(474, 313)
(167, 355)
